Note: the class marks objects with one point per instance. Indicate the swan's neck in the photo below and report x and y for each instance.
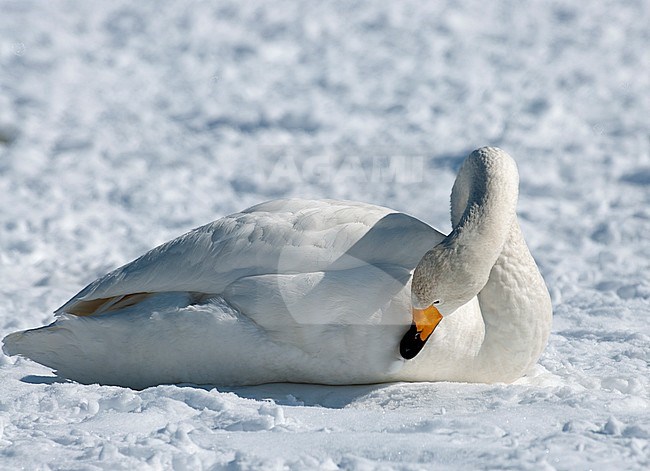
(489, 249)
(517, 313)
(483, 208)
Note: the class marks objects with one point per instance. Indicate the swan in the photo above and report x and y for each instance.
(316, 291)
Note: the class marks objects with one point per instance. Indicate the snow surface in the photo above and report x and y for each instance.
(124, 124)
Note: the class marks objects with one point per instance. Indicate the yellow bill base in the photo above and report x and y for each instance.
(426, 320)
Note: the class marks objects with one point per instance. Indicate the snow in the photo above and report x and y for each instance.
(125, 124)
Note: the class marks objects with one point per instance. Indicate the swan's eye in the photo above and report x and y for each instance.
(436, 302)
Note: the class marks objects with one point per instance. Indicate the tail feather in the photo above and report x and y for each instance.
(11, 344)
(117, 347)
(42, 345)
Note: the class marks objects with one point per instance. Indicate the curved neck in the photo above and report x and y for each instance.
(483, 208)
(489, 249)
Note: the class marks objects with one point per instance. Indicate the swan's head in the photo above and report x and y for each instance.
(438, 288)
(445, 279)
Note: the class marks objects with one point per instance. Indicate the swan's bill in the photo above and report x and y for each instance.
(424, 323)
(426, 320)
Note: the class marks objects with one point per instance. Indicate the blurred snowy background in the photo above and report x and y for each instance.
(125, 124)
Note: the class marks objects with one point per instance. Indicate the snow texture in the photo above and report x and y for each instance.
(124, 124)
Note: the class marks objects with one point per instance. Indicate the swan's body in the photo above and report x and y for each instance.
(313, 291)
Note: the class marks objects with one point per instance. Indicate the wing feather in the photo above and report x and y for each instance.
(277, 237)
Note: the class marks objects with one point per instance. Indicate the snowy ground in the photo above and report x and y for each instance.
(124, 124)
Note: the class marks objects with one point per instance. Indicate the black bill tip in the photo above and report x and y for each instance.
(411, 343)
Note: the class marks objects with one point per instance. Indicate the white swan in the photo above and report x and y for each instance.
(318, 292)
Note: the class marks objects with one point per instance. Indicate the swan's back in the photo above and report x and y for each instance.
(277, 237)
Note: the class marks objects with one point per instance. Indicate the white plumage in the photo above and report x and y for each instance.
(307, 291)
